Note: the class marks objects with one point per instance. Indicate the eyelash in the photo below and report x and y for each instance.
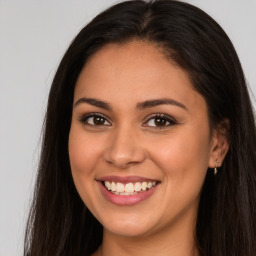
(84, 119)
(170, 120)
(163, 117)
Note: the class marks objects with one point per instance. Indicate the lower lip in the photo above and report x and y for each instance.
(124, 200)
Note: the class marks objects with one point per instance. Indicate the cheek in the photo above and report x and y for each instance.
(84, 151)
(83, 155)
(183, 157)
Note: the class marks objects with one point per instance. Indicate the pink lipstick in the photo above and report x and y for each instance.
(125, 191)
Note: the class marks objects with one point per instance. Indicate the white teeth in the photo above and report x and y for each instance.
(144, 185)
(119, 187)
(129, 188)
(108, 185)
(125, 193)
(113, 186)
(150, 185)
(137, 186)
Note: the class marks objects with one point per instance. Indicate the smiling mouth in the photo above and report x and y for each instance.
(128, 189)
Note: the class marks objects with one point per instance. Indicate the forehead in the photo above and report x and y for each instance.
(133, 72)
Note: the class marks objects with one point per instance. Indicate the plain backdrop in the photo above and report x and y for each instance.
(33, 37)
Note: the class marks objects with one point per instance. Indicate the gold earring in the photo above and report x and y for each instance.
(216, 167)
(215, 170)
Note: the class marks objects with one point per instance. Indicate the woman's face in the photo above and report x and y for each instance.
(140, 142)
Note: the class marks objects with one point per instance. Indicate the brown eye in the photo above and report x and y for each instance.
(95, 120)
(160, 121)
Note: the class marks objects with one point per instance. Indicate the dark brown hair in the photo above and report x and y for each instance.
(60, 224)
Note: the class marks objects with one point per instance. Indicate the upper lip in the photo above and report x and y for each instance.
(126, 179)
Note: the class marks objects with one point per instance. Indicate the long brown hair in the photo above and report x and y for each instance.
(60, 224)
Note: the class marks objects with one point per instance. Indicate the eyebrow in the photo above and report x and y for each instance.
(157, 102)
(94, 102)
(142, 105)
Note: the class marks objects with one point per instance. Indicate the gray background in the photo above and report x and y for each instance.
(33, 37)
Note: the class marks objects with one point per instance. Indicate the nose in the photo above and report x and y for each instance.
(125, 149)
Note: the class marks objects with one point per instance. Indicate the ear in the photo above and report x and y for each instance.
(219, 144)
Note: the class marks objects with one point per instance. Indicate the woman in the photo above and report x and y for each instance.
(149, 141)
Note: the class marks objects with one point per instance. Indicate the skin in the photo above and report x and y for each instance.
(128, 142)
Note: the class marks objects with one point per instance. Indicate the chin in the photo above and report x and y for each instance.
(127, 230)
(128, 226)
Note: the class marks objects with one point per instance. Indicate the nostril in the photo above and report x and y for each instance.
(124, 151)
(125, 161)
